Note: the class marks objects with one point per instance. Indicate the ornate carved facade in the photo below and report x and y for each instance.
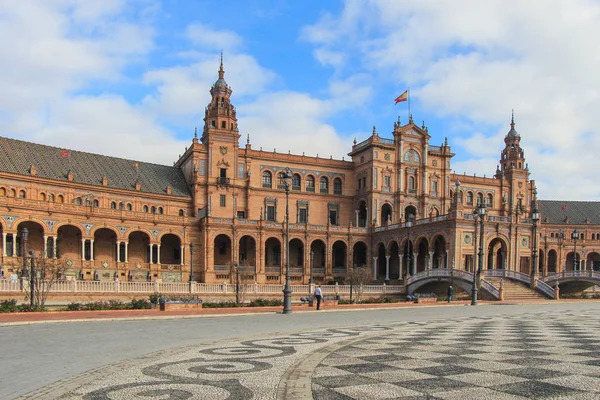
(108, 218)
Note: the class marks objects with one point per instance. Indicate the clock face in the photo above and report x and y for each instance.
(412, 156)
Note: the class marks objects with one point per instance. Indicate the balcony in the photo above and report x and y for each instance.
(222, 181)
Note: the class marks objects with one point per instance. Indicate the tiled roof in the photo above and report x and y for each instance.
(17, 156)
(557, 211)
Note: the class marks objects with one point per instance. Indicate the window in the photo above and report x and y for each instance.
(296, 182)
(387, 181)
(490, 200)
(479, 199)
(469, 198)
(337, 186)
(202, 167)
(267, 179)
(129, 207)
(302, 216)
(153, 210)
(78, 201)
(241, 170)
(375, 178)
(270, 213)
(113, 205)
(241, 215)
(324, 185)
(213, 123)
(364, 185)
(310, 183)
(181, 213)
(21, 194)
(96, 203)
(145, 208)
(222, 200)
(333, 217)
(277, 255)
(160, 210)
(223, 124)
(60, 198)
(333, 212)
(375, 155)
(411, 184)
(434, 187)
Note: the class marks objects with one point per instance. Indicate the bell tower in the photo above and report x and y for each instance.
(514, 170)
(219, 115)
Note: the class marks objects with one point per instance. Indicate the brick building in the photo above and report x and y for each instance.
(107, 218)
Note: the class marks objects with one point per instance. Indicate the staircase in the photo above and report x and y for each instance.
(514, 290)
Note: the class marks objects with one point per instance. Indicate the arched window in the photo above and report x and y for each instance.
(469, 198)
(51, 198)
(337, 186)
(21, 194)
(479, 199)
(96, 203)
(310, 183)
(2, 192)
(121, 206)
(323, 185)
(296, 182)
(145, 208)
(552, 234)
(267, 179)
(129, 207)
(411, 183)
(60, 199)
(181, 213)
(160, 210)
(490, 200)
(42, 196)
(12, 193)
(153, 210)
(113, 205)
(78, 201)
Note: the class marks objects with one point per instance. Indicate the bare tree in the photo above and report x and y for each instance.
(46, 272)
(358, 277)
(241, 277)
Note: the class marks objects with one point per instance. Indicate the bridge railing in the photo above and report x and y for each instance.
(571, 274)
(490, 288)
(458, 274)
(545, 288)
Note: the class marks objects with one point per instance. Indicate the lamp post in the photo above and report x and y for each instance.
(32, 279)
(478, 213)
(287, 290)
(237, 282)
(191, 262)
(535, 217)
(409, 249)
(574, 236)
(312, 260)
(24, 234)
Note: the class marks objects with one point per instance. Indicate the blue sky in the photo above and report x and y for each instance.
(131, 78)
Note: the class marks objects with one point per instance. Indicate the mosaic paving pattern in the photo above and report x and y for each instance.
(543, 358)
(546, 355)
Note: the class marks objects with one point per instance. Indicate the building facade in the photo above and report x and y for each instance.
(106, 218)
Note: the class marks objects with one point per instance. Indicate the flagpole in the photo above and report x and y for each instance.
(408, 104)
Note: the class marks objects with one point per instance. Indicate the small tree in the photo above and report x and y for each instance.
(241, 277)
(46, 272)
(358, 277)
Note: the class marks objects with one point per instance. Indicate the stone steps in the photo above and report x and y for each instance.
(516, 290)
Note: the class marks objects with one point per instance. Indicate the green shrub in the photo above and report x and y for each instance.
(95, 306)
(139, 304)
(74, 307)
(265, 303)
(29, 308)
(220, 304)
(153, 298)
(8, 306)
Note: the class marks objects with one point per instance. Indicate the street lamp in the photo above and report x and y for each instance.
(409, 224)
(312, 260)
(535, 217)
(237, 282)
(191, 262)
(574, 236)
(287, 290)
(32, 279)
(479, 212)
(24, 234)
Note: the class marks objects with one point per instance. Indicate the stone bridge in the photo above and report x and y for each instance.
(573, 281)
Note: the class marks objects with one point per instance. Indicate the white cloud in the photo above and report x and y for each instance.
(213, 39)
(476, 61)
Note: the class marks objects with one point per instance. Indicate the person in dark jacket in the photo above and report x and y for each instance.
(450, 293)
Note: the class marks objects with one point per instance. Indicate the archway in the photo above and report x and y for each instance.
(552, 261)
(222, 253)
(422, 254)
(410, 211)
(317, 251)
(593, 261)
(569, 266)
(541, 258)
(395, 272)
(496, 254)
(138, 256)
(35, 238)
(170, 249)
(380, 261)
(408, 247)
(68, 244)
(105, 247)
(247, 254)
(338, 253)
(359, 254)
(386, 214)
(439, 252)
(362, 214)
(296, 256)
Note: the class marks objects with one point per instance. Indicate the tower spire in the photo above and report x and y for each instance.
(221, 71)
(512, 120)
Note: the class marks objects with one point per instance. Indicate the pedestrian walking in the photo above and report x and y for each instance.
(450, 293)
(318, 296)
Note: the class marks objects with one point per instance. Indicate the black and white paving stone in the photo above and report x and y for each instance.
(547, 355)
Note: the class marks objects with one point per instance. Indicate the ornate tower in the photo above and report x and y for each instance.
(515, 170)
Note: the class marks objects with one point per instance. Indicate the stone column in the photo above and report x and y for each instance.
(126, 252)
(374, 268)
(446, 260)
(118, 251)
(45, 246)
(356, 213)
(4, 244)
(158, 253)
(182, 254)
(387, 268)
(54, 252)
(414, 266)
(400, 255)
(429, 260)
(92, 252)
(82, 249)
(14, 244)
(150, 259)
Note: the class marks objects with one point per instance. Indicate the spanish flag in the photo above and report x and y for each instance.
(402, 97)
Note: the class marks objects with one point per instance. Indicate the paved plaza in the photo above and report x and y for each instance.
(498, 352)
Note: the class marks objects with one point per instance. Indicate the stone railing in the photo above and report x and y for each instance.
(545, 288)
(508, 273)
